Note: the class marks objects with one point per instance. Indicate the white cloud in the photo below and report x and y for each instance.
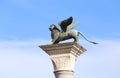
(100, 61)
(24, 59)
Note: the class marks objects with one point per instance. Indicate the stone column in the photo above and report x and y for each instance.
(63, 57)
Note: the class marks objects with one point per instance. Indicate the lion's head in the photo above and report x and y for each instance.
(53, 26)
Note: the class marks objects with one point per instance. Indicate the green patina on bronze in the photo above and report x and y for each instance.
(66, 32)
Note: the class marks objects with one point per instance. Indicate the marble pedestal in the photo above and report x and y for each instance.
(63, 57)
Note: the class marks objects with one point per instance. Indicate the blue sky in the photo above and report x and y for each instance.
(24, 25)
(28, 19)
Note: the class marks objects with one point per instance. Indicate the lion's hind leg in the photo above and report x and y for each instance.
(76, 40)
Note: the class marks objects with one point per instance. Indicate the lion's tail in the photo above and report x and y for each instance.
(86, 38)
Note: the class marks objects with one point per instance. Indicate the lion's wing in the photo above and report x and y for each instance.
(65, 23)
(71, 26)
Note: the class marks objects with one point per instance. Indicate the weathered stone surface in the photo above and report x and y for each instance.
(63, 48)
(63, 57)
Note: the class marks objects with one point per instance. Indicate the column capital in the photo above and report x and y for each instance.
(63, 57)
(63, 48)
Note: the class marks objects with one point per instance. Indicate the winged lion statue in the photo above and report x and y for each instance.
(66, 32)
